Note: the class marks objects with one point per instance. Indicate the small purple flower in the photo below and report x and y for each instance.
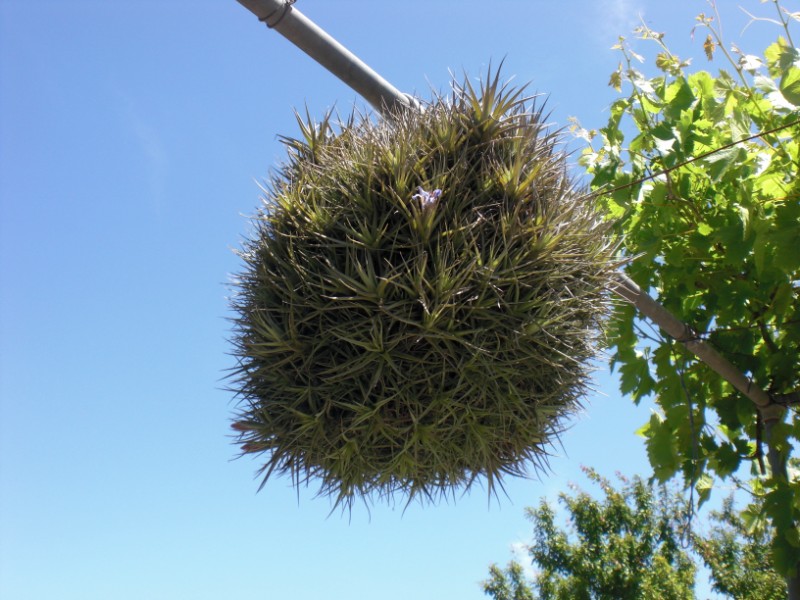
(427, 198)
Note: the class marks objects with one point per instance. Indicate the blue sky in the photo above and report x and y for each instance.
(132, 138)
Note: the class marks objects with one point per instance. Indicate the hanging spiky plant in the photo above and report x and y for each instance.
(420, 300)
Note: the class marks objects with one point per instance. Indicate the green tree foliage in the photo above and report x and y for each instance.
(625, 546)
(631, 545)
(700, 173)
(508, 584)
(737, 553)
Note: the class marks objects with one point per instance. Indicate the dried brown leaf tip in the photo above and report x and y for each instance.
(709, 46)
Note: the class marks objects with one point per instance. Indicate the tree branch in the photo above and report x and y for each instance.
(625, 287)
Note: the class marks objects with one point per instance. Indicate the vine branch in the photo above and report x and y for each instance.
(625, 287)
(696, 158)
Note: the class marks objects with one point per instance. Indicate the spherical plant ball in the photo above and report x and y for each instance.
(420, 300)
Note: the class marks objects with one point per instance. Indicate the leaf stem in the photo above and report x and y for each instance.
(698, 157)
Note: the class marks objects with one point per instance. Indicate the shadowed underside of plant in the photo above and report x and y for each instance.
(420, 299)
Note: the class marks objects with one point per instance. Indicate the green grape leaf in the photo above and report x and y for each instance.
(790, 85)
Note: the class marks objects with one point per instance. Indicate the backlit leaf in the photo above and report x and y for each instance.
(790, 85)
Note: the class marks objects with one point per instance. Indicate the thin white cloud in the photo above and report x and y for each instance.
(151, 147)
(519, 553)
(617, 17)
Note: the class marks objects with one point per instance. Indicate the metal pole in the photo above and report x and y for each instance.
(314, 41)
